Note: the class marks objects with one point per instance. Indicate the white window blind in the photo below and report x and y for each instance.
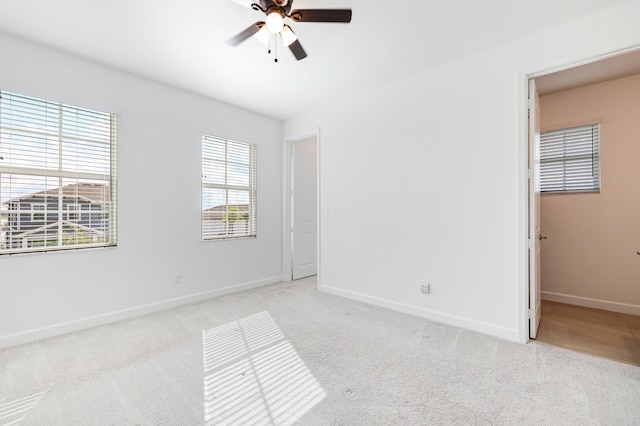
(228, 188)
(570, 159)
(57, 176)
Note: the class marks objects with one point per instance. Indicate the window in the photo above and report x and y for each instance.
(37, 212)
(56, 160)
(570, 160)
(228, 189)
(73, 212)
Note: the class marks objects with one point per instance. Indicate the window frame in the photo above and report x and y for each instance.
(209, 214)
(73, 148)
(571, 160)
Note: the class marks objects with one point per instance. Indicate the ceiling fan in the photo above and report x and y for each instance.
(276, 11)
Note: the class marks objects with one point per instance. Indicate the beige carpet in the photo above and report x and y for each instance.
(287, 354)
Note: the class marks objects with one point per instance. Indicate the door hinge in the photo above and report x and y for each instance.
(530, 103)
(531, 313)
(530, 243)
(530, 173)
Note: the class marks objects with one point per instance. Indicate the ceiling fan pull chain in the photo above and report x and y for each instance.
(275, 47)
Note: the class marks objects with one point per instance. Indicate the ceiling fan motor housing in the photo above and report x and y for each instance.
(282, 5)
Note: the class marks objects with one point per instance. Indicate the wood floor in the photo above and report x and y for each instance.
(601, 333)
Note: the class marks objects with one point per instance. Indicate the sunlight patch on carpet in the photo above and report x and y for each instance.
(253, 375)
(14, 412)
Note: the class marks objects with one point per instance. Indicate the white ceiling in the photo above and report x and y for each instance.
(181, 42)
(595, 72)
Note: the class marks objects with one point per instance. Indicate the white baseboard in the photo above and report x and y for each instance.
(93, 321)
(607, 305)
(482, 327)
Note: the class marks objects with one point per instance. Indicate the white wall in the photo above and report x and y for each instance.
(425, 180)
(159, 203)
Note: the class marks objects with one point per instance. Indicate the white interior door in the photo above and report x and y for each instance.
(534, 210)
(304, 235)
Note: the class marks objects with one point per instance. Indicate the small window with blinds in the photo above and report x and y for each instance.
(570, 160)
(57, 176)
(228, 189)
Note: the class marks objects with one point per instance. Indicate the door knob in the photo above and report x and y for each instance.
(543, 237)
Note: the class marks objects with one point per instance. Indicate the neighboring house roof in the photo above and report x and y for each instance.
(55, 225)
(91, 192)
(218, 212)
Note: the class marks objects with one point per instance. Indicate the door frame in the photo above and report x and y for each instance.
(535, 300)
(287, 205)
(524, 76)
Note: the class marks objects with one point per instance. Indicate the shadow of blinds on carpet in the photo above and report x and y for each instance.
(254, 375)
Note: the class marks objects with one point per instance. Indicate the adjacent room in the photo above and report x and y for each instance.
(270, 212)
(589, 256)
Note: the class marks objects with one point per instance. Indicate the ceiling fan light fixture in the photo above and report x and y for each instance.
(288, 36)
(275, 22)
(263, 35)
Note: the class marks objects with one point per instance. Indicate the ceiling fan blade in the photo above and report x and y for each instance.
(321, 15)
(297, 50)
(248, 32)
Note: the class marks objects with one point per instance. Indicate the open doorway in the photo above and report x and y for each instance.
(303, 205)
(590, 265)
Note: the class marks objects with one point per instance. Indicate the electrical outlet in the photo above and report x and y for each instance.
(425, 288)
(179, 279)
